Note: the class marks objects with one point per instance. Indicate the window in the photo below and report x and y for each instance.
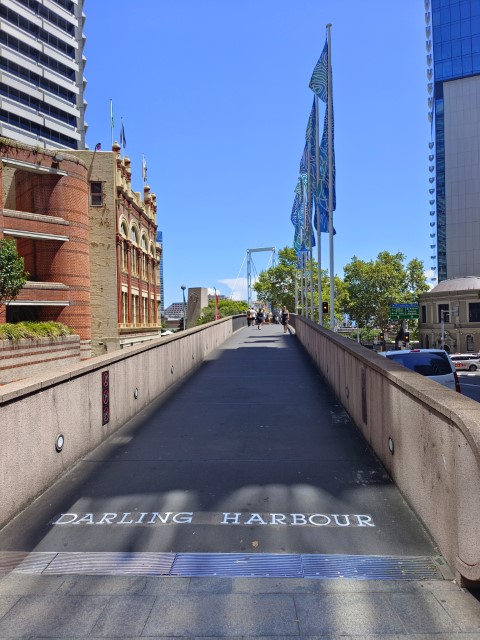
(444, 313)
(474, 312)
(96, 194)
(134, 308)
(124, 307)
(424, 313)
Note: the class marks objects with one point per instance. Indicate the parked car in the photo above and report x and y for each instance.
(432, 363)
(466, 361)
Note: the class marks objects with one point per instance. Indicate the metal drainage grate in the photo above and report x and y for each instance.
(370, 567)
(261, 565)
(266, 565)
(110, 564)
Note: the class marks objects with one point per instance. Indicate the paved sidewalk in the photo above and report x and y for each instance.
(251, 463)
(133, 607)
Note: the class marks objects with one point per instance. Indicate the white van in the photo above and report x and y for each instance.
(433, 363)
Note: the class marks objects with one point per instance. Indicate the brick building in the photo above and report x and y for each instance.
(43, 207)
(88, 242)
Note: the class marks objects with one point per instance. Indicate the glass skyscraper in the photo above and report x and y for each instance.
(454, 28)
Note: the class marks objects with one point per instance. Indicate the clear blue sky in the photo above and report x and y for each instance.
(215, 94)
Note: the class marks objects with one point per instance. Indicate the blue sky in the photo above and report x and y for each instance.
(215, 94)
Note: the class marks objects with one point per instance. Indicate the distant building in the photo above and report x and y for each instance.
(162, 297)
(41, 72)
(453, 99)
(175, 310)
(456, 302)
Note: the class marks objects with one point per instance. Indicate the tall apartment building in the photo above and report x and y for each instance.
(453, 26)
(41, 72)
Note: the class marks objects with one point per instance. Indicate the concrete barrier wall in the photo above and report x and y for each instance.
(435, 434)
(24, 358)
(34, 411)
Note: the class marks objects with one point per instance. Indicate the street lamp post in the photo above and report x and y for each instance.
(183, 287)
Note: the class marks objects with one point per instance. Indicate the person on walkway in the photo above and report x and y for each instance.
(260, 318)
(249, 317)
(285, 319)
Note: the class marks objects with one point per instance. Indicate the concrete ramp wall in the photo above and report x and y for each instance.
(86, 403)
(434, 434)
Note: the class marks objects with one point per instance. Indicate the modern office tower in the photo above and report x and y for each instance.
(41, 72)
(453, 26)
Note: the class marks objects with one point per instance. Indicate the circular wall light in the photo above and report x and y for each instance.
(391, 445)
(59, 442)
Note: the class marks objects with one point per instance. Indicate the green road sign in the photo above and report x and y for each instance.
(406, 311)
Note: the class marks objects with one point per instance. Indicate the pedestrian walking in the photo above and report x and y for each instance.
(285, 319)
(260, 318)
(249, 317)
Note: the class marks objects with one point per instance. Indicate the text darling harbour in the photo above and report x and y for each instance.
(154, 518)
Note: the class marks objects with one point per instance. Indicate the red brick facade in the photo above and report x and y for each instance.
(44, 202)
(93, 262)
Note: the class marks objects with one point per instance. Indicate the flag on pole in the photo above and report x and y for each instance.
(319, 80)
(144, 168)
(123, 140)
(98, 146)
(322, 193)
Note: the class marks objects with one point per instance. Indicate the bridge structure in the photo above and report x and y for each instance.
(229, 482)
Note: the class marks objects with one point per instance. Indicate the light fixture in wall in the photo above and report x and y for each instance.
(391, 445)
(59, 442)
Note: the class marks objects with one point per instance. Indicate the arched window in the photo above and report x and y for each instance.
(124, 234)
(144, 257)
(134, 239)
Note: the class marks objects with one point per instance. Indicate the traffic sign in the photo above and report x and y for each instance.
(404, 311)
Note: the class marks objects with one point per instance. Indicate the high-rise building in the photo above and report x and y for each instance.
(454, 97)
(41, 72)
(453, 27)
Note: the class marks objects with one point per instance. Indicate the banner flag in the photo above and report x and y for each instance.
(123, 140)
(319, 80)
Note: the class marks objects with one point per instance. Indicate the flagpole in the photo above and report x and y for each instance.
(309, 227)
(111, 120)
(317, 209)
(330, 181)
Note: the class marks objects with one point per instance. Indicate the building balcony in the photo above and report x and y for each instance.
(45, 294)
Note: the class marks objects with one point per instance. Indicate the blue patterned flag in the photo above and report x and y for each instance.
(322, 195)
(123, 140)
(319, 80)
(310, 145)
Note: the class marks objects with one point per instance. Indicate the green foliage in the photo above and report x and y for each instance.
(33, 330)
(276, 286)
(374, 286)
(12, 273)
(226, 308)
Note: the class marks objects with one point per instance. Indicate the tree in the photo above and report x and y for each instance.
(276, 286)
(12, 273)
(374, 286)
(225, 308)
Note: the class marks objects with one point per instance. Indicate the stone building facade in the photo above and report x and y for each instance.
(88, 242)
(457, 303)
(124, 254)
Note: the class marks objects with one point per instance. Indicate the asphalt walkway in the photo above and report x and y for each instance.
(243, 503)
